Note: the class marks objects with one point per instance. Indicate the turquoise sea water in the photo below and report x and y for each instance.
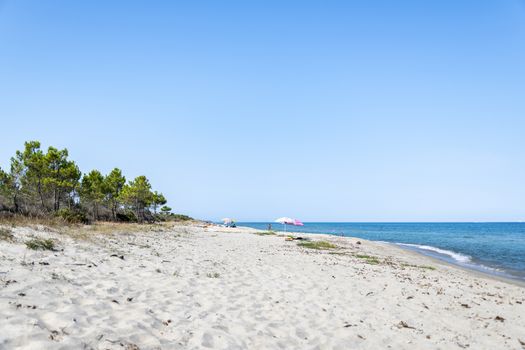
(495, 248)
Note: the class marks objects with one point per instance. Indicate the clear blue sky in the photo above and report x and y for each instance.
(320, 110)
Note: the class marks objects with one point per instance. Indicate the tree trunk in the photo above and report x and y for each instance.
(41, 195)
(95, 211)
(58, 200)
(15, 202)
(137, 209)
(114, 210)
(55, 205)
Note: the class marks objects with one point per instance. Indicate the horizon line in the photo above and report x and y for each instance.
(392, 222)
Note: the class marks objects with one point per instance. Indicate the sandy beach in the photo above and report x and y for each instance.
(195, 287)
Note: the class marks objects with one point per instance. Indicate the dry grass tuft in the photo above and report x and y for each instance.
(6, 235)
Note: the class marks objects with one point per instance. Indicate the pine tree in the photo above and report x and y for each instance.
(114, 183)
(42, 183)
(92, 191)
(158, 199)
(137, 194)
(165, 210)
(61, 177)
(30, 166)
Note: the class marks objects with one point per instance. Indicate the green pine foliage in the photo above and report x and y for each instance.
(48, 183)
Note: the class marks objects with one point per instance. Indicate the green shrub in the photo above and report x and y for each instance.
(424, 267)
(317, 245)
(265, 233)
(127, 216)
(40, 244)
(372, 260)
(180, 217)
(72, 216)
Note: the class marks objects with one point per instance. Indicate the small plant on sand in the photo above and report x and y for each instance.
(213, 275)
(40, 244)
(317, 245)
(372, 260)
(424, 267)
(6, 235)
(265, 233)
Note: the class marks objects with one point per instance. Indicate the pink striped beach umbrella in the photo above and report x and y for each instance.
(297, 223)
(285, 221)
(289, 221)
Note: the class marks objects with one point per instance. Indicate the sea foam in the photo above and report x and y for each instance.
(456, 256)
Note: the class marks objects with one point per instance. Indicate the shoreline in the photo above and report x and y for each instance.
(505, 277)
(477, 273)
(495, 276)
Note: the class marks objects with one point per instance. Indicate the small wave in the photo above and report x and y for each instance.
(491, 269)
(456, 256)
(466, 261)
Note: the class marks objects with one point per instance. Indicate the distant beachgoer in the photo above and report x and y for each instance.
(269, 227)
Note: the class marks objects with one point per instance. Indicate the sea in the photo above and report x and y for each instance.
(493, 248)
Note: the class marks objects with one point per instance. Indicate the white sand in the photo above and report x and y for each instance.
(194, 288)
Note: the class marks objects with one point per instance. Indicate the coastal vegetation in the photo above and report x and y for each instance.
(372, 260)
(48, 184)
(40, 244)
(5, 234)
(424, 267)
(265, 233)
(317, 245)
